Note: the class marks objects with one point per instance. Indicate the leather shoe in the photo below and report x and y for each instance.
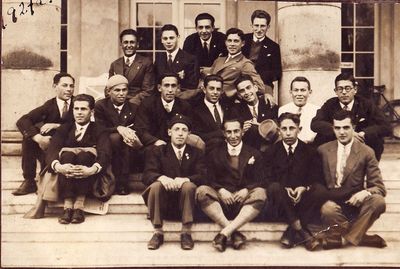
(373, 241)
(219, 242)
(78, 216)
(308, 240)
(287, 239)
(332, 242)
(66, 217)
(238, 240)
(186, 241)
(27, 186)
(156, 241)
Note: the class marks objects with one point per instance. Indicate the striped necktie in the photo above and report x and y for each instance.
(79, 134)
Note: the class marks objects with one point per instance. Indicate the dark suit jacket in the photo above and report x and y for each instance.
(221, 175)
(152, 118)
(29, 123)
(140, 77)
(93, 137)
(268, 63)
(252, 136)
(360, 163)
(368, 118)
(163, 161)
(305, 167)
(183, 61)
(107, 116)
(194, 45)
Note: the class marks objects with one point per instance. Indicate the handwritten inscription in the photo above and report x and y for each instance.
(15, 12)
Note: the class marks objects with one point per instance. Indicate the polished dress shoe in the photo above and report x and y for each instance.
(186, 241)
(287, 239)
(307, 239)
(373, 241)
(78, 216)
(156, 241)
(27, 186)
(332, 242)
(238, 240)
(66, 217)
(219, 242)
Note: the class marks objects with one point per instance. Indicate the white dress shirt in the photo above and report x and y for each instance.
(286, 146)
(60, 105)
(173, 54)
(234, 151)
(131, 59)
(176, 150)
(346, 149)
(210, 107)
(170, 104)
(349, 105)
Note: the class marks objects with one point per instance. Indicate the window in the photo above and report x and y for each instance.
(63, 39)
(149, 16)
(358, 43)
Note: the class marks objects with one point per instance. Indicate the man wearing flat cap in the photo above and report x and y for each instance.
(117, 115)
(253, 110)
(172, 173)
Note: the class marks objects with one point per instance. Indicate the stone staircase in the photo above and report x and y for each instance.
(119, 238)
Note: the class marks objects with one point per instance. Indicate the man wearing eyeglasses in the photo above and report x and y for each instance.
(371, 125)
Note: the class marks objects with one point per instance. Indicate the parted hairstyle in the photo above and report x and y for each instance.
(232, 119)
(209, 78)
(233, 31)
(204, 16)
(128, 32)
(300, 79)
(346, 76)
(169, 74)
(85, 97)
(289, 116)
(243, 77)
(60, 75)
(262, 14)
(170, 27)
(343, 114)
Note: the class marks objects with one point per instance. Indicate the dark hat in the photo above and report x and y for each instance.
(116, 80)
(178, 118)
(268, 129)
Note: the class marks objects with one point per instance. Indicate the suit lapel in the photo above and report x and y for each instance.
(119, 66)
(173, 160)
(114, 114)
(134, 68)
(332, 161)
(351, 162)
(206, 114)
(244, 157)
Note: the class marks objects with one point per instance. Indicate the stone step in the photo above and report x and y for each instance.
(126, 254)
(136, 228)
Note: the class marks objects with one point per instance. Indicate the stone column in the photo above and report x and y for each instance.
(310, 41)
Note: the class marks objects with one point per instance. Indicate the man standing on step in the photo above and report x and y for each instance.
(291, 169)
(136, 68)
(172, 173)
(39, 125)
(234, 186)
(77, 152)
(117, 115)
(353, 190)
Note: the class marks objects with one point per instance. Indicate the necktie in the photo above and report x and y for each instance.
(299, 111)
(346, 108)
(233, 152)
(64, 110)
(342, 166)
(167, 108)
(255, 112)
(180, 156)
(127, 62)
(170, 61)
(118, 110)
(290, 160)
(217, 116)
(228, 59)
(205, 49)
(79, 134)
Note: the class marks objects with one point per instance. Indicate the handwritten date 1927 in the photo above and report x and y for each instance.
(23, 8)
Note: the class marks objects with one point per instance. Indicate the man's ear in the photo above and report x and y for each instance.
(300, 127)
(159, 87)
(169, 132)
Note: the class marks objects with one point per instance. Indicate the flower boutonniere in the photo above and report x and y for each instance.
(187, 156)
(251, 160)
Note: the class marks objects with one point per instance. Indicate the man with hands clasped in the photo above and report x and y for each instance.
(172, 173)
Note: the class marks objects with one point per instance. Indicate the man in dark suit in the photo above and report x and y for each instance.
(253, 109)
(116, 114)
(210, 112)
(39, 125)
(78, 151)
(136, 68)
(370, 124)
(353, 189)
(172, 173)
(291, 169)
(175, 60)
(207, 43)
(234, 188)
(155, 112)
(264, 52)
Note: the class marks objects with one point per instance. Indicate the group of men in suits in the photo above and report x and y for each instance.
(206, 144)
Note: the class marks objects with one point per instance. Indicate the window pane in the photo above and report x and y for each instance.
(347, 39)
(365, 65)
(144, 14)
(364, 14)
(63, 61)
(347, 57)
(365, 87)
(159, 45)
(64, 13)
(347, 70)
(145, 38)
(162, 14)
(364, 39)
(148, 55)
(63, 44)
(347, 14)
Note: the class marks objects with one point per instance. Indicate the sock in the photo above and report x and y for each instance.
(296, 225)
(79, 202)
(158, 230)
(186, 228)
(68, 203)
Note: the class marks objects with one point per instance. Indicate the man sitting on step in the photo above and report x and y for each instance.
(234, 189)
(172, 173)
(78, 151)
(39, 125)
(353, 190)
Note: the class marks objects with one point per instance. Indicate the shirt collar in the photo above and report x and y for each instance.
(176, 150)
(60, 102)
(118, 107)
(237, 149)
(251, 106)
(174, 53)
(78, 126)
(286, 146)
(170, 104)
(349, 105)
(346, 147)
(255, 39)
(234, 55)
(131, 58)
(209, 104)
